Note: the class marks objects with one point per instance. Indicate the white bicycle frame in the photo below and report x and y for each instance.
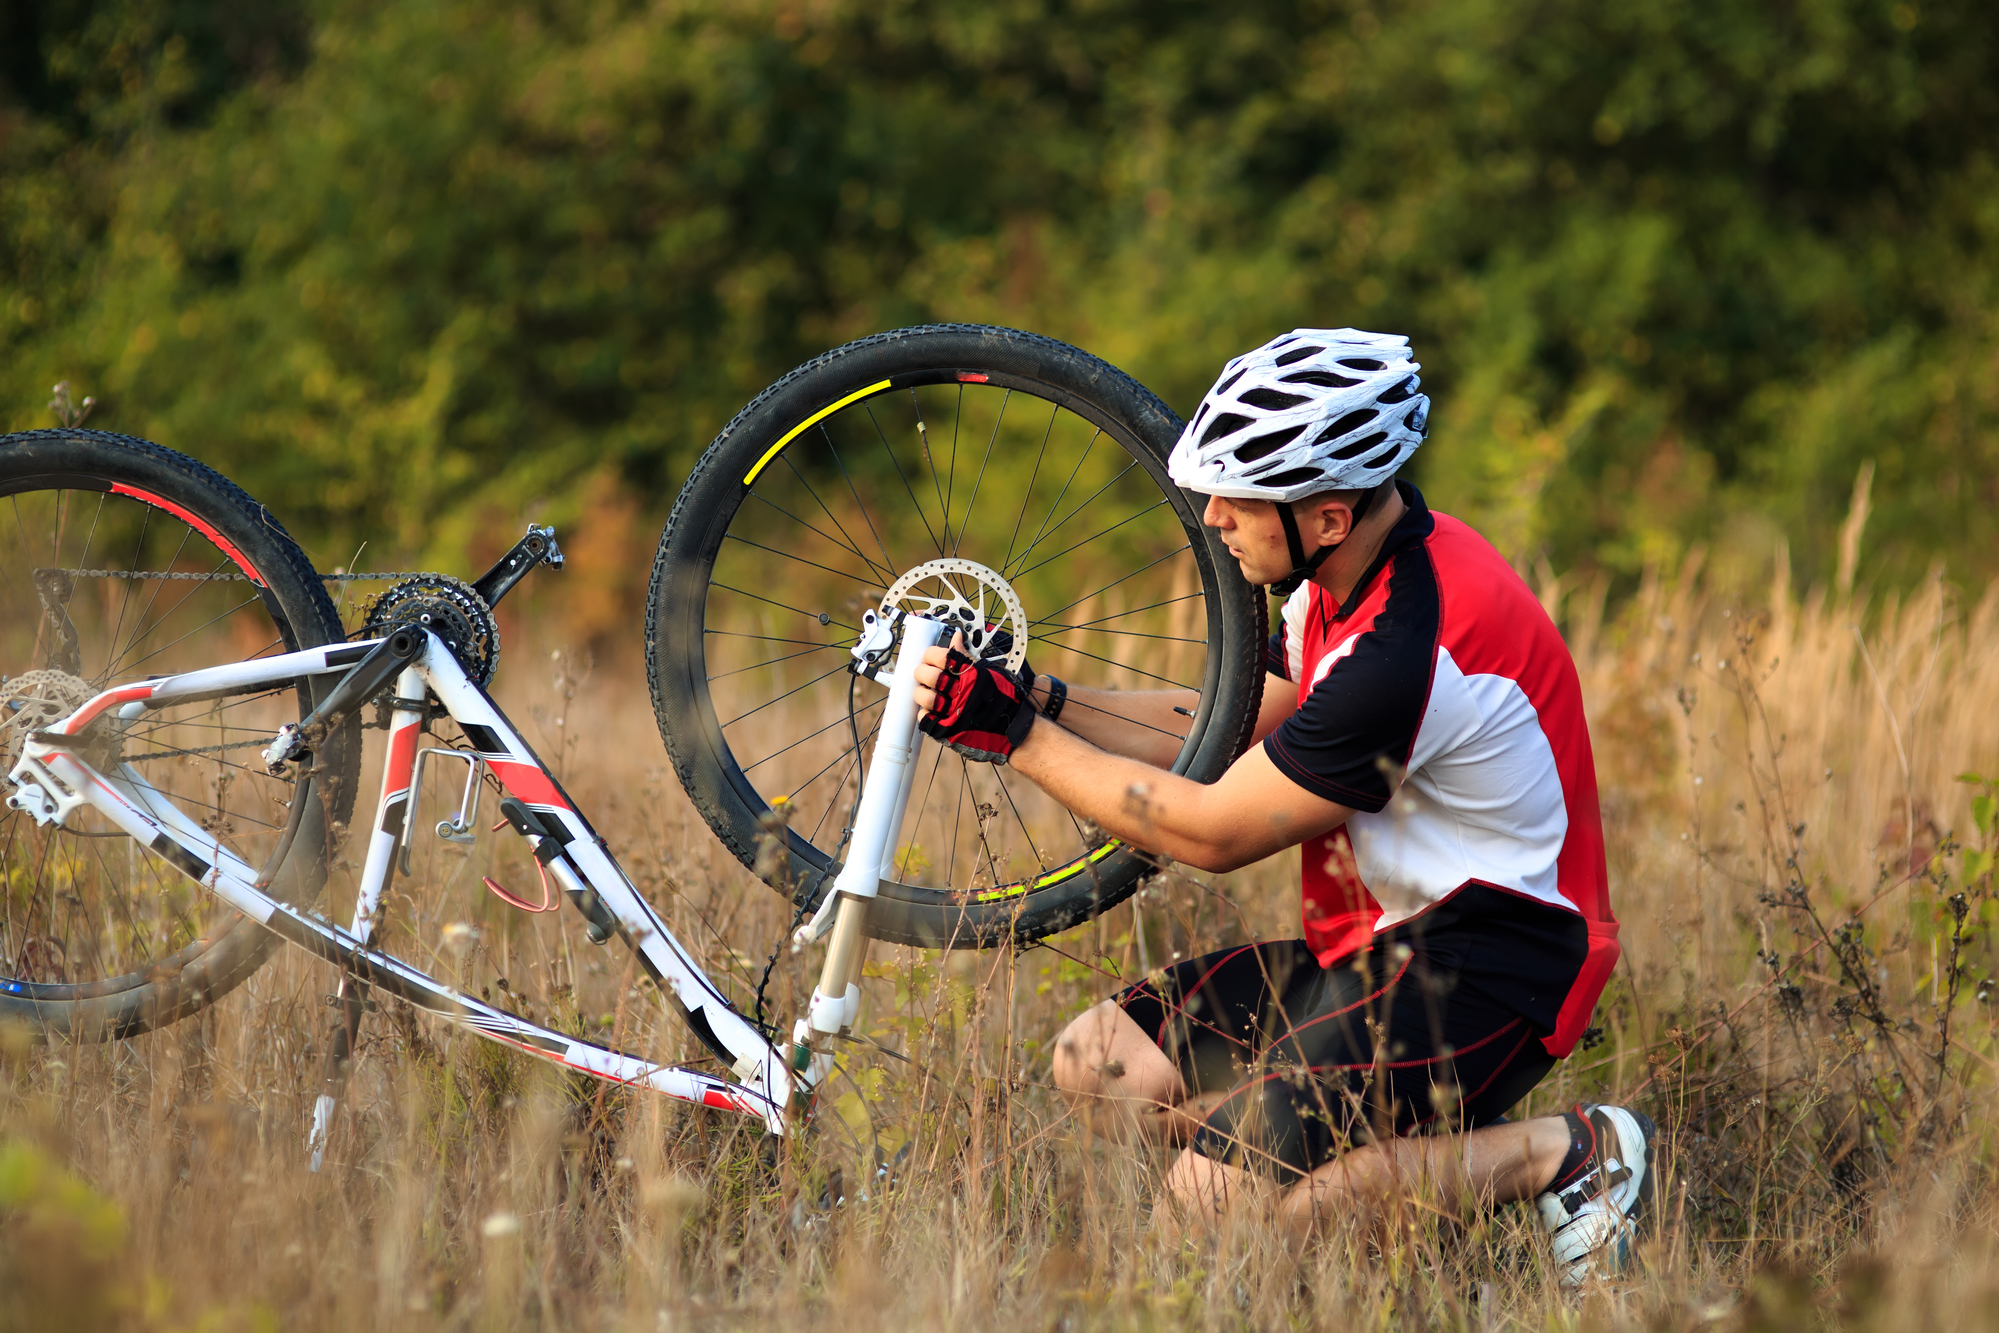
(53, 780)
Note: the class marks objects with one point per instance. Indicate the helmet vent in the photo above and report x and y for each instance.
(1270, 400)
(1400, 393)
(1323, 378)
(1230, 383)
(1352, 421)
(1228, 423)
(1380, 458)
(1361, 365)
(1293, 357)
(1360, 446)
(1264, 445)
(1291, 478)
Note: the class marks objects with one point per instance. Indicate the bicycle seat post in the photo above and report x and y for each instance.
(884, 799)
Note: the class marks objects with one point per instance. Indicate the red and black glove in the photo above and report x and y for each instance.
(982, 712)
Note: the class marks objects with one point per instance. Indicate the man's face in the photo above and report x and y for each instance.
(1254, 535)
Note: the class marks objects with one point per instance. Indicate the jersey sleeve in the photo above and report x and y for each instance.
(1352, 736)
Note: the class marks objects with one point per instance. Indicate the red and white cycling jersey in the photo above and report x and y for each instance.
(1441, 704)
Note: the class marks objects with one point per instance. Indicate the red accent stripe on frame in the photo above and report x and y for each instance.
(402, 759)
(124, 694)
(528, 782)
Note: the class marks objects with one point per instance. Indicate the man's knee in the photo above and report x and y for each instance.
(1202, 1190)
(1084, 1052)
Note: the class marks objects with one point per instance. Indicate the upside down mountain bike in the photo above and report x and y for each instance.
(183, 717)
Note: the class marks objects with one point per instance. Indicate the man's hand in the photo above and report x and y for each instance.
(974, 707)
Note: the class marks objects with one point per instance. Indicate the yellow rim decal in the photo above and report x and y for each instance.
(808, 424)
(1074, 868)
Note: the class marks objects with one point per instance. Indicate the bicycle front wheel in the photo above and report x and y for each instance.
(990, 447)
(121, 559)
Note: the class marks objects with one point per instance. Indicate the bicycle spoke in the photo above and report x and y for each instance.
(1126, 633)
(837, 573)
(1087, 540)
(1027, 494)
(1114, 582)
(139, 629)
(773, 661)
(958, 822)
(786, 606)
(846, 545)
(106, 907)
(1021, 820)
(132, 585)
(935, 765)
(980, 480)
(923, 434)
(853, 759)
(839, 721)
(992, 862)
(892, 462)
(767, 638)
(841, 463)
(1059, 497)
(853, 756)
(1125, 666)
(196, 630)
(1074, 702)
(1119, 615)
(1093, 497)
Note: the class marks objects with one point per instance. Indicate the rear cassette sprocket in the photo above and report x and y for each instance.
(450, 608)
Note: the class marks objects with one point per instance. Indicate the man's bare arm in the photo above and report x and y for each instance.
(1252, 812)
(1147, 725)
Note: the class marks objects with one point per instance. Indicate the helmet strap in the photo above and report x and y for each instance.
(1304, 566)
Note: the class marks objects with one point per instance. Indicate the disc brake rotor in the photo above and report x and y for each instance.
(970, 598)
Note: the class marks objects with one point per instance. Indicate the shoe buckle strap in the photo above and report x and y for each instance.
(1599, 1182)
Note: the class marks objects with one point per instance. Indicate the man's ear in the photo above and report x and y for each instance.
(1326, 521)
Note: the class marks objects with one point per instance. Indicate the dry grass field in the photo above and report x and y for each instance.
(1805, 880)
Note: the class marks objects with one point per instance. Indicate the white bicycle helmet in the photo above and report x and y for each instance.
(1314, 410)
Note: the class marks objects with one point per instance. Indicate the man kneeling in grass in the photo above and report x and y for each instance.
(1423, 743)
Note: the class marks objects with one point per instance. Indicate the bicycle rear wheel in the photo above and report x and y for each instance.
(1021, 454)
(120, 559)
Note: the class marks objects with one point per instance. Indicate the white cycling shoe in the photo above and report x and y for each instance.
(1593, 1222)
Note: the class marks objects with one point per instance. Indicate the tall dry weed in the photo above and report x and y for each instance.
(1805, 880)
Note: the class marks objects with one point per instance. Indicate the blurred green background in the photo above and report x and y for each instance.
(412, 270)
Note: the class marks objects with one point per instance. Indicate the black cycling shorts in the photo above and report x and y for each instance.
(1318, 1060)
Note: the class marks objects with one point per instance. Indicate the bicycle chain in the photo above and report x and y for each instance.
(184, 576)
(187, 754)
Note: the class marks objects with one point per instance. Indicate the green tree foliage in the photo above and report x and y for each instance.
(1675, 272)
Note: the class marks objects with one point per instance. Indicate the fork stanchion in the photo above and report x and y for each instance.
(877, 825)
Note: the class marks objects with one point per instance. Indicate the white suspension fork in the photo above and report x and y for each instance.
(877, 827)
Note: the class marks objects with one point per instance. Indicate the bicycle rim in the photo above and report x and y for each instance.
(120, 560)
(976, 445)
